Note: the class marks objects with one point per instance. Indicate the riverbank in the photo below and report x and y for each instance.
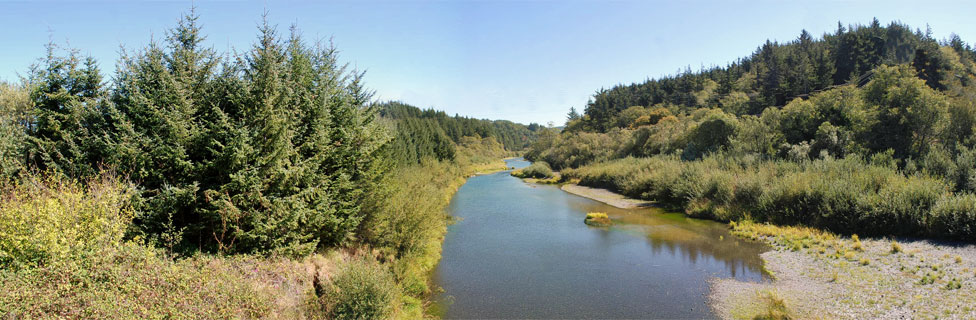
(606, 196)
(821, 275)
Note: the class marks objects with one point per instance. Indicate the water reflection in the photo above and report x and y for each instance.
(522, 251)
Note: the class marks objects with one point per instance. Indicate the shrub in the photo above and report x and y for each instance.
(362, 289)
(895, 247)
(598, 219)
(537, 170)
(46, 219)
(955, 216)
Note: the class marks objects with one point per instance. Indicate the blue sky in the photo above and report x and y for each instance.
(526, 61)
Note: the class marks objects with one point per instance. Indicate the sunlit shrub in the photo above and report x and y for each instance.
(45, 219)
(362, 289)
(597, 219)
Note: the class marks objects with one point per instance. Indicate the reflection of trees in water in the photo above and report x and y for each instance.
(690, 238)
(736, 255)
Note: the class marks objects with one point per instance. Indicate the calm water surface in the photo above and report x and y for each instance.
(521, 250)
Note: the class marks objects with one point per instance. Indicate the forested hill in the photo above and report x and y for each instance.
(425, 133)
(776, 73)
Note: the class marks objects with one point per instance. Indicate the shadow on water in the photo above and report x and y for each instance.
(521, 250)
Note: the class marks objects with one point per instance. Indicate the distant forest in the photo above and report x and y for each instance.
(431, 133)
(780, 72)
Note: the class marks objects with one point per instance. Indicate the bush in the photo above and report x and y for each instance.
(955, 216)
(537, 170)
(362, 289)
(45, 219)
(597, 219)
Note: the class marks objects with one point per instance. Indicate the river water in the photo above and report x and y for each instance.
(521, 250)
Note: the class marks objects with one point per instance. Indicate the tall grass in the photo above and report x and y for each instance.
(63, 255)
(840, 195)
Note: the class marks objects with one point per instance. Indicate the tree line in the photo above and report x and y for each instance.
(776, 73)
(423, 133)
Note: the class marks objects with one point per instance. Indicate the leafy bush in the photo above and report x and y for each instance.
(538, 170)
(47, 220)
(362, 289)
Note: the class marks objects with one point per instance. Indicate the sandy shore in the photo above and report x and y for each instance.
(606, 196)
(922, 280)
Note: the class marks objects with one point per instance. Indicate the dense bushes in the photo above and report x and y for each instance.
(537, 170)
(45, 220)
(361, 289)
(846, 195)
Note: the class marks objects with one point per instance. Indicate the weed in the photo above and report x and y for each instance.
(775, 307)
(895, 247)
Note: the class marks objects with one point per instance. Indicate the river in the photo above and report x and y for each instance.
(520, 250)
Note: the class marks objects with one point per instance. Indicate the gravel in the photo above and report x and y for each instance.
(925, 280)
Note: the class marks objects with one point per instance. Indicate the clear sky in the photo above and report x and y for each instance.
(526, 61)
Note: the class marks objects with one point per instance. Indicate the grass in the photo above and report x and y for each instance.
(774, 307)
(597, 219)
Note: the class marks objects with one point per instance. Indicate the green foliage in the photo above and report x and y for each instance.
(713, 133)
(844, 196)
(272, 151)
(427, 133)
(361, 289)
(14, 109)
(46, 220)
(135, 282)
(537, 170)
(777, 73)
(67, 115)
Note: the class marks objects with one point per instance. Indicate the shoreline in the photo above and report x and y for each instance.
(606, 196)
(817, 274)
(821, 275)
